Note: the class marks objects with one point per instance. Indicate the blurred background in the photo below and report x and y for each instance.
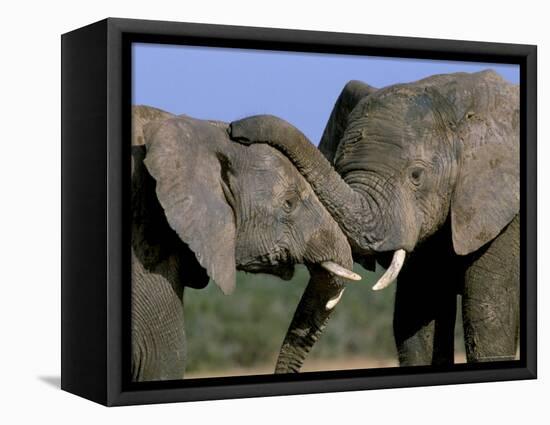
(241, 334)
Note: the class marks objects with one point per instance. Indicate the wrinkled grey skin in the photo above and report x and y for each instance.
(204, 206)
(430, 167)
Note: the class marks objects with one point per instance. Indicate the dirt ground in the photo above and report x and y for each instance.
(309, 366)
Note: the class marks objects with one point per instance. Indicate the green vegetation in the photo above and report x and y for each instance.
(246, 329)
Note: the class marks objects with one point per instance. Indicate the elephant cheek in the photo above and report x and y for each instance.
(328, 243)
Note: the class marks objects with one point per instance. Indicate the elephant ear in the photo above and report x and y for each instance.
(350, 96)
(183, 156)
(141, 116)
(486, 195)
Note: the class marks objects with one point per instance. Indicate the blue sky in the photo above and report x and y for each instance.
(228, 84)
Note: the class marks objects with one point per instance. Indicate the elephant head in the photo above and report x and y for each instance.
(246, 208)
(394, 163)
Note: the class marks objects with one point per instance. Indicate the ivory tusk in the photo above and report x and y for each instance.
(338, 270)
(333, 301)
(393, 270)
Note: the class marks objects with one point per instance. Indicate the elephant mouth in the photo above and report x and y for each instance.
(283, 271)
(286, 271)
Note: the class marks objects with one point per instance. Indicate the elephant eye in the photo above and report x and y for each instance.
(416, 175)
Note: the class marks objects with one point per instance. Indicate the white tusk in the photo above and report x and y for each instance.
(338, 270)
(393, 270)
(333, 301)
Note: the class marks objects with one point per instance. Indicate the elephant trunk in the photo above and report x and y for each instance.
(324, 290)
(318, 301)
(352, 210)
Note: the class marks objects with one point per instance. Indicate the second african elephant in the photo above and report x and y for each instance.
(427, 170)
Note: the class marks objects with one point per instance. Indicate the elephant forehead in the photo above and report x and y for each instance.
(402, 105)
(408, 119)
(274, 167)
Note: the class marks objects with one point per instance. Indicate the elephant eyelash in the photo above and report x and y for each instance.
(290, 204)
(416, 176)
(290, 201)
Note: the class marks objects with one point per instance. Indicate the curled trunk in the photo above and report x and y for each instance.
(351, 210)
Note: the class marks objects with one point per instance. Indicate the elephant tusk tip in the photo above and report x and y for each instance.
(392, 272)
(338, 270)
(333, 301)
(379, 287)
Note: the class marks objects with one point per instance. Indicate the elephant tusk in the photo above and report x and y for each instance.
(333, 301)
(393, 270)
(338, 270)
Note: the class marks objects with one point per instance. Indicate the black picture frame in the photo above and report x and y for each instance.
(96, 88)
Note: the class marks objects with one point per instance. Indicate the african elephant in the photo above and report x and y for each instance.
(204, 206)
(429, 171)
